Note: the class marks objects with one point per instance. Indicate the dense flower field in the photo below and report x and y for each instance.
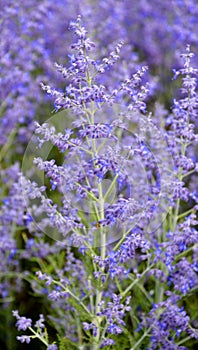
(99, 187)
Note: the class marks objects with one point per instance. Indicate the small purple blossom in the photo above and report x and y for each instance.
(39, 323)
(52, 347)
(22, 323)
(24, 339)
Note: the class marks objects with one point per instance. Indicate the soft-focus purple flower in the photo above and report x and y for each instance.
(52, 347)
(22, 323)
(24, 339)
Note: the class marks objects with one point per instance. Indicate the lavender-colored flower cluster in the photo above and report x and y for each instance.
(98, 214)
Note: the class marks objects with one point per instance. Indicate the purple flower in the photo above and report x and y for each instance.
(22, 323)
(114, 313)
(24, 339)
(52, 347)
(39, 323)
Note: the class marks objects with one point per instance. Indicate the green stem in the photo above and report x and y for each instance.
(91, 296)
(141, 339)
(8, 144)
(124, 293)
(73, 296)
(110, 187)
(82, 148)
(186, 213)
(79, 331)
(123, 238)
(38, 336)
(178, 257)
(102, 335)
(184, 340)
(91, 195)
(102, 254)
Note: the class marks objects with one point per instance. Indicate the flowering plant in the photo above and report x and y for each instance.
(120, 208)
